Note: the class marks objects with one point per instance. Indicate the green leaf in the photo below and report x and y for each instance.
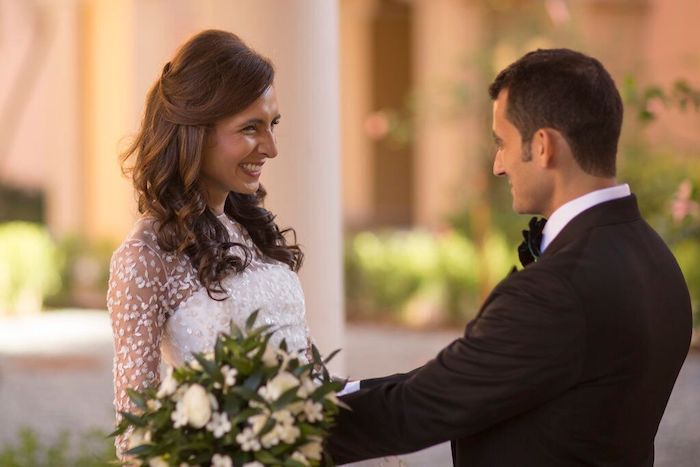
(267, 458)
(254, 380)
(209, 366)
(247, 394)
(137, 398)
(250, 322)
(134, 419)
(244, 416)
(285, 399)
(293, 463)
(331, 356)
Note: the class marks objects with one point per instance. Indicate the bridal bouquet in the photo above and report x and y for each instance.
(247, 403)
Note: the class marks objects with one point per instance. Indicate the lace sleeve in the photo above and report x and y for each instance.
(137, 302)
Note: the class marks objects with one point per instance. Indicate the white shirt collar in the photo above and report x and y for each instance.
(562, 216)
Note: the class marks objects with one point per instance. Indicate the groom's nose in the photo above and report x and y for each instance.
(498, 170)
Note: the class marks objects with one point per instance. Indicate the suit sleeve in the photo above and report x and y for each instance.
(523, 349)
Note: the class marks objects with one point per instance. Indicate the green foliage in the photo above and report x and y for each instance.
(388, 274)
(688, 254)
(93, 450)
(84, 270)
(29, 266)
(648, 100)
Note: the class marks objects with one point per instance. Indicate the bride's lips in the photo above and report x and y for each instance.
(252, 169)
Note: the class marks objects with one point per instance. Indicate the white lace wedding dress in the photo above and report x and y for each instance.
(160, 310)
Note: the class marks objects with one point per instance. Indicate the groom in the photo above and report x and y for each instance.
(571, 360)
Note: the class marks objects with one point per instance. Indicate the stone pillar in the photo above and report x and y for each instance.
(304, 184)
(64, 200)
(448, 34)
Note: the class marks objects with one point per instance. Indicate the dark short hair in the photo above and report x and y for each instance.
(570, 92)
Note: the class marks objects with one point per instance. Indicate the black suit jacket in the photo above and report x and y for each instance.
(570, 361)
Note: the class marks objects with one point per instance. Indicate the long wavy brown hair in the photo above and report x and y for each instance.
(214, 75)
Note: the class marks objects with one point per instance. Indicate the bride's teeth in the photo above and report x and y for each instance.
(252, 167)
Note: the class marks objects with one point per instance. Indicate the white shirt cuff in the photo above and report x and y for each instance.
(352, 386)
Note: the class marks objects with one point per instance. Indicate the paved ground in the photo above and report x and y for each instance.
(55, 373)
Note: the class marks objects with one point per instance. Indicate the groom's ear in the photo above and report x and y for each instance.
(546, 144)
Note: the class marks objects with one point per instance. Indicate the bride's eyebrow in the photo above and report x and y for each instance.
(257, 121)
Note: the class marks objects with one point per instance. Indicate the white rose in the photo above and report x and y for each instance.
(269, 358)
(253, 464)
(299, 457)
(157, 462)
(168, 385)
(279, 384)
(312, 450)
(197, 406)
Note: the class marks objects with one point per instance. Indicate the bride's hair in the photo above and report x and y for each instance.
(213, 76)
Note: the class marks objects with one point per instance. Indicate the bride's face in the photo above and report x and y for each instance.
(238, 147)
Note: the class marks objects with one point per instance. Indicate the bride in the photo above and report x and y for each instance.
(204, 252)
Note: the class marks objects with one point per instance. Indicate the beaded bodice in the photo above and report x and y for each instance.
(160, 310)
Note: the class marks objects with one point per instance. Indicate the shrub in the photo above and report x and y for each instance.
(29, 267)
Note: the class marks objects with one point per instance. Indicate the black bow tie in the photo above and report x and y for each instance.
(529, 249)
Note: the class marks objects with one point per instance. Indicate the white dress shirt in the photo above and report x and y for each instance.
(562, 216)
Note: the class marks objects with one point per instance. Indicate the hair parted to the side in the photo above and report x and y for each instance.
(570, 92)
(213, 75)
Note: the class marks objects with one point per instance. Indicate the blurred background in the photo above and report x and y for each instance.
(384, 172)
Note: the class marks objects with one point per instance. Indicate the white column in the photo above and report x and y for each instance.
(64, 200)
(304, 185)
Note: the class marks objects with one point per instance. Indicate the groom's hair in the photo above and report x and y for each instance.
(569, 92)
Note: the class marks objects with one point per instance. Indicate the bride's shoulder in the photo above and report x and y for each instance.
(142, 239)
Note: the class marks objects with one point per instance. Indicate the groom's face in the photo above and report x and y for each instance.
(513, 160)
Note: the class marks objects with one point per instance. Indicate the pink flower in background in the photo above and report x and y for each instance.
(558, 12)
(683, 205)
(377, 125)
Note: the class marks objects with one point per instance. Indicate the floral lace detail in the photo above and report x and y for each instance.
(160, 310)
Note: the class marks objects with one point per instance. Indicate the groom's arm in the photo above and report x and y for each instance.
(524, 349)
(395, 378)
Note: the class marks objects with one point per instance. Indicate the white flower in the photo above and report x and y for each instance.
(284, 417)
(179, 415)
(168, 385)
(308, 386)
(157, 462)
(295, 408)
(138, 437)
(253, 464)
(312, 450)
(257, 422)
(313, 411)
(288, 433)
(219, 460)
(229, 375)
(299, 457)
(219, 424)
(278, 385)
(213, 402)
(195, 365)
(153, 405)
(269, 357)
(197, 406)
(247, 440)
(271, 438)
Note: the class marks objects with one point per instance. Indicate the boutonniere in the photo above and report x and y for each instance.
(529, 249)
